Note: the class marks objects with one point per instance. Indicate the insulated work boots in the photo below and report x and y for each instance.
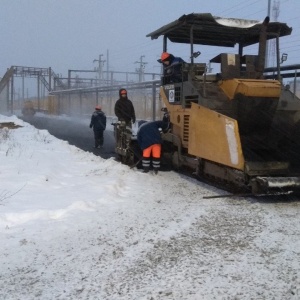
(145, 170)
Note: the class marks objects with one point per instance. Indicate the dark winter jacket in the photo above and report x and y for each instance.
(173, 70)
(175, 60)
(149, 133)
(98, 120)
(124, 110)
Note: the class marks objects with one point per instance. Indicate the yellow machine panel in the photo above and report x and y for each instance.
(215, 137)
(251, 88)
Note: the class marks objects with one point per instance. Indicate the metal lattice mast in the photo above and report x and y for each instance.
(275, 15)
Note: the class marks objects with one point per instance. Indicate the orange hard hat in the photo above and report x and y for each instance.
(123, 92)
(164, 56)
(98, 107)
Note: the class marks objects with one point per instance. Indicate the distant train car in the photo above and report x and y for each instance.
(230, 126)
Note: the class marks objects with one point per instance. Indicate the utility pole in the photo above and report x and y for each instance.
(100, 67)
(107, 67)
(275, 15)
(267, 45)
(141, 69)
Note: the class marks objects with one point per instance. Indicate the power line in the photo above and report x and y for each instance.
(232, 8)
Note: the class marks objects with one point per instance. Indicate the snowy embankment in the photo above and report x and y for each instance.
(76, 226)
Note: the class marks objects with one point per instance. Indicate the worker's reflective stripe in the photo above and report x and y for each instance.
(156, 163)
(146, 162)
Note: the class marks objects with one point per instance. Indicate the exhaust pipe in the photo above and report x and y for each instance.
(260, 66)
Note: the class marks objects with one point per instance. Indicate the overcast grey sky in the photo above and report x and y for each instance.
(70, 34)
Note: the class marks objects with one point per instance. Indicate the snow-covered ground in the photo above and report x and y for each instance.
(76, 226)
